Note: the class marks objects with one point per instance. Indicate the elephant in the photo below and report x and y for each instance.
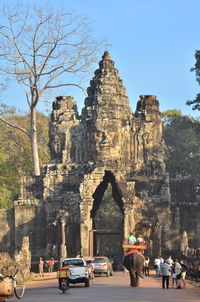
(133, 262)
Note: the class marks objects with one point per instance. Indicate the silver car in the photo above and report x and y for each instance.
(102, 265)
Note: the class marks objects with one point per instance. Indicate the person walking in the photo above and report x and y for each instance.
(157, 266)
(178, 269)
(50, 266)
(183, 271)
(170, 261)
(165, 272)
(174, 281)
(90, 266)
(41, 267)
(146, 267)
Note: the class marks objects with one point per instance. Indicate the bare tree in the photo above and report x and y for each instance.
(38, 47)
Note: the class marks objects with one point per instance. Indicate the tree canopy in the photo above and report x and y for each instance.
(15, 151)
(196, 102)
(182, 138)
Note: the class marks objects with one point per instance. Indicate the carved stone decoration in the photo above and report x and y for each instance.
(61, 220)
(24, 258)
(184, 243)
(106, 145)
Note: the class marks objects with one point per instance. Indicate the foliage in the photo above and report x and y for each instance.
(5, 196)
(182, 138)
(196, 69)
(169, 115)
(15, 152)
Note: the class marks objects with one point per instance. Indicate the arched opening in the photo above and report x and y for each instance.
(108, 220)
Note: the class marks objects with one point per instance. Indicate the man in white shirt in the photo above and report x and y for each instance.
(157, 263)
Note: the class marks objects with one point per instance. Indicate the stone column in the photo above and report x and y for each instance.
(63, 249)
(127, 229)
(129, 220)
(61, 220)
(160, 240)
(86, 226)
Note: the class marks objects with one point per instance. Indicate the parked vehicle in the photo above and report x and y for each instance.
(102, 265)
(78, 271)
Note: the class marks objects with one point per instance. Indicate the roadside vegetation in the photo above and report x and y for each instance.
(182, 139)
(15, 151)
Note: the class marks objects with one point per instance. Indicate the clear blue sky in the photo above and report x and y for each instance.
(153, 45)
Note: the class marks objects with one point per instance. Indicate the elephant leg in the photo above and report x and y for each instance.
(137, 279)
(132, 279)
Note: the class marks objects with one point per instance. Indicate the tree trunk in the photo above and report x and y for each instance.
(34, 144)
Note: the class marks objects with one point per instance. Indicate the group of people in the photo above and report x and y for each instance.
(166, 268)
(132, 239)
(49, 264)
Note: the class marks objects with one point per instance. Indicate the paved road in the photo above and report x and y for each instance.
(112, 289)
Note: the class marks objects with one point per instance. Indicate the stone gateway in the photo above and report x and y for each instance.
(105, 179)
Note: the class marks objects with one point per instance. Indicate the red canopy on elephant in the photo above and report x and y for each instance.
(135, 251)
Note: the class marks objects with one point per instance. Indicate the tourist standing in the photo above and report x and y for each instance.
(183, 271)
(174, 281)
(146, 267)
(157, 266)
(170, 261)
(41, 267)
(165, 271)
(178, 269)
(50, 266)
(90, 266)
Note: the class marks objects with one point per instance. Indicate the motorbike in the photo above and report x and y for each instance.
(63, 284)
(63, 274)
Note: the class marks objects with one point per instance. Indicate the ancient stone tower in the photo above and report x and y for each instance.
(107, 144)
(105, 179)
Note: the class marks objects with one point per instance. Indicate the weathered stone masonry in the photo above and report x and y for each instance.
(107, 143)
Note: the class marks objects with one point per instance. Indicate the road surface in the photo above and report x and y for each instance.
(108, 289)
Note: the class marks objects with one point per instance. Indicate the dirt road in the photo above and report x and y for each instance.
(112, 289)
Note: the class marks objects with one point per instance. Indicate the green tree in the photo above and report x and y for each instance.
(196, 102)
(43, 50)
(15, 151)
(182, 138)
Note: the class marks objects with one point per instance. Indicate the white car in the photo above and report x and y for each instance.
(78, 269)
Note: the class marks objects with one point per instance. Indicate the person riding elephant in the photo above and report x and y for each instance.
(134, 262)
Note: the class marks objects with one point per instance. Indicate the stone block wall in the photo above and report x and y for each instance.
(7, 231)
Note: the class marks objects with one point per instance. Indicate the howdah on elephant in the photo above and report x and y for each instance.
(133, 262)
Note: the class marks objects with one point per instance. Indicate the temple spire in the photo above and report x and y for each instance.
(106, 56)
(106, 89)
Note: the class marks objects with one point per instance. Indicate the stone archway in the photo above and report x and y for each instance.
(92, 192)
(108, 220)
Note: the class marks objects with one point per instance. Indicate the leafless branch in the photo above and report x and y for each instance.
(15, 126)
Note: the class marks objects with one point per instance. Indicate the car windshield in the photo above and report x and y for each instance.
(100, 260)
(77, 262)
